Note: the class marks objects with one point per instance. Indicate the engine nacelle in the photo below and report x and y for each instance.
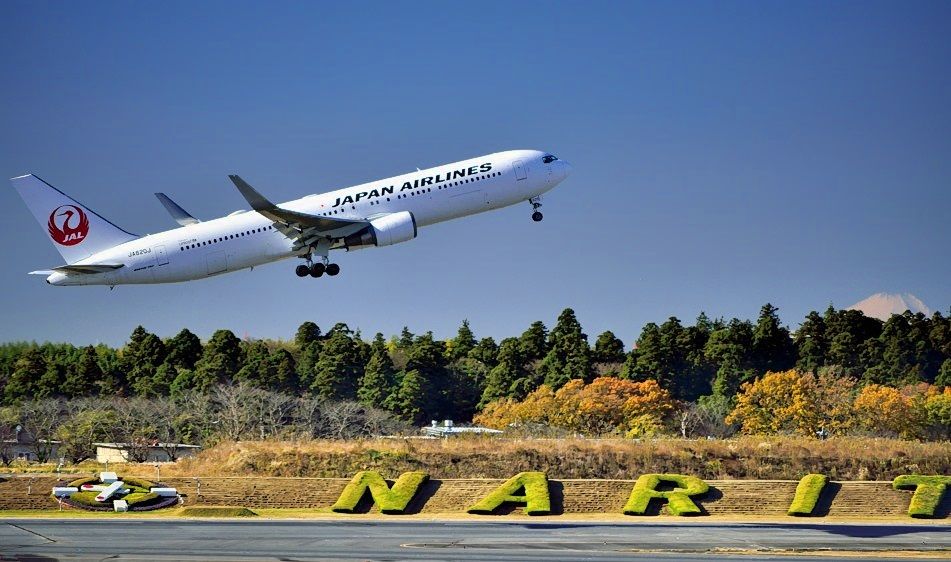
(384, 231)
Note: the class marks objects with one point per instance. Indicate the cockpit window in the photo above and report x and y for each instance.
(549, 158)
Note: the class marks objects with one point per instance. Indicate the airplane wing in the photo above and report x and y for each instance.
(80, 269)
(180, 215)
(305, 229)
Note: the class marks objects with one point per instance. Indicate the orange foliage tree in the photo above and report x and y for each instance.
(794, 402)
(606, 405)
(888, 411)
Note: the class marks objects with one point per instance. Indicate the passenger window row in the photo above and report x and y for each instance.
(223, 238)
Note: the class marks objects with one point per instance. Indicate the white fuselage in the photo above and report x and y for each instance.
(246, 238)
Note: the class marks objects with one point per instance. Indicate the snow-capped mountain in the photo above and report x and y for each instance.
(883, 305)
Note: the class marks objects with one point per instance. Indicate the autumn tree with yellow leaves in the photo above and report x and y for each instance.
(795, 402)
(607, 405)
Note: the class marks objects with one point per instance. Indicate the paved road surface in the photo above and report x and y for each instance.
(169, 539)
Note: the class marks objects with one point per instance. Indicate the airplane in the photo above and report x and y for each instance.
(378, 213)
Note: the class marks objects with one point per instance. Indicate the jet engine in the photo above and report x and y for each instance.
(384, 231)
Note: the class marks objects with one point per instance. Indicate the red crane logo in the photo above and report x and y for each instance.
(68, 231)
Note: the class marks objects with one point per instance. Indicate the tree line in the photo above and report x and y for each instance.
(417, 377)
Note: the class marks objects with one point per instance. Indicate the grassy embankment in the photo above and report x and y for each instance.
(780, 458)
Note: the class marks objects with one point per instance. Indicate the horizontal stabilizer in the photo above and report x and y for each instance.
(85, 269)
(180, 215)
(285, 216)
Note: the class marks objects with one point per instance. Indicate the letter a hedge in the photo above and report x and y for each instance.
(807, 494)
(389, 500)
(678, 499)
(928, 492)
(536, 499)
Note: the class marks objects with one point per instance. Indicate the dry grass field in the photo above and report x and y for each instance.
(742, 458)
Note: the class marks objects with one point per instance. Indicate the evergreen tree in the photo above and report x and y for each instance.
(141, 358)
(184, 349)
(608, 348)
(502, 380)
(51, 382)
(462, 344)
(220, 361)
(406, 338)
(338, 370)
(414, 399)
(307, 366)
(307, 333)
(465, 383)
(773, 349)
(569, 356)
(847, 334)
(730, 349)
(26, 372)
(811, 343)
(486, 352)
(282, 372)
(533, 343)
(83, 375)
(254, 369)
(378, 386)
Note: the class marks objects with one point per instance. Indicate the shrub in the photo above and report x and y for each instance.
(928, 492)
(678, 500)
(139, 498)
(84, 480)
(807, 494)
(216, 511)
(390, 500)
(536, 498)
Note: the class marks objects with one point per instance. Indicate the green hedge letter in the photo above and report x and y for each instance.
(389, 500)
(536, 498)
(928, 492)
(807, 494)
(678, 499)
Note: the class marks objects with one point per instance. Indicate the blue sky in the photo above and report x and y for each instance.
(726, 154)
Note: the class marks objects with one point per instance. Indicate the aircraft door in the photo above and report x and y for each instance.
(217, 263)
(161, 258)
(520, 172)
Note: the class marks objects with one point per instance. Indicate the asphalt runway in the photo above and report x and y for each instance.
(41, 540)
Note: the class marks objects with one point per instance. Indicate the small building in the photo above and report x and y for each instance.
(156, 452)
(447, 429)
(25, 450)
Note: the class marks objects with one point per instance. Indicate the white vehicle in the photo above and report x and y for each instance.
(379, 213)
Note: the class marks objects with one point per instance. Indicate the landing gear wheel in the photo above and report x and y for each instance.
(302, 270)
(317, 270)
(537, 216)
(333, 269)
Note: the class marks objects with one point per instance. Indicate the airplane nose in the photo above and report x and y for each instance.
(561, 169)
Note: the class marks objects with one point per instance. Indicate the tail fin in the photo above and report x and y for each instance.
(76, 231)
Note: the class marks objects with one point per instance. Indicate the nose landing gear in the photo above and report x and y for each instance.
(536, 202)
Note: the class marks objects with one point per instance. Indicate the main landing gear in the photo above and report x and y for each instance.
(317, 269)
(536, 204)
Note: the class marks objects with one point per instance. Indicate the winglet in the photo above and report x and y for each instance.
(180, 215)
(257, 201)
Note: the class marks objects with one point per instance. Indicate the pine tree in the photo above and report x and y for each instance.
(27, 370)
(811, 343)
(502, 379)
(83, 375)
(378, 386)
(462, 344)
(486, 352)
(307, 366)
(338, 370)
(220, 360)
(254, 370)
(184, 350)
(406, 338)
(773, 349)
(608, 348)
(569, 356)
(141, 357)
(307, 333)
(414, 398)
(533, 343)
